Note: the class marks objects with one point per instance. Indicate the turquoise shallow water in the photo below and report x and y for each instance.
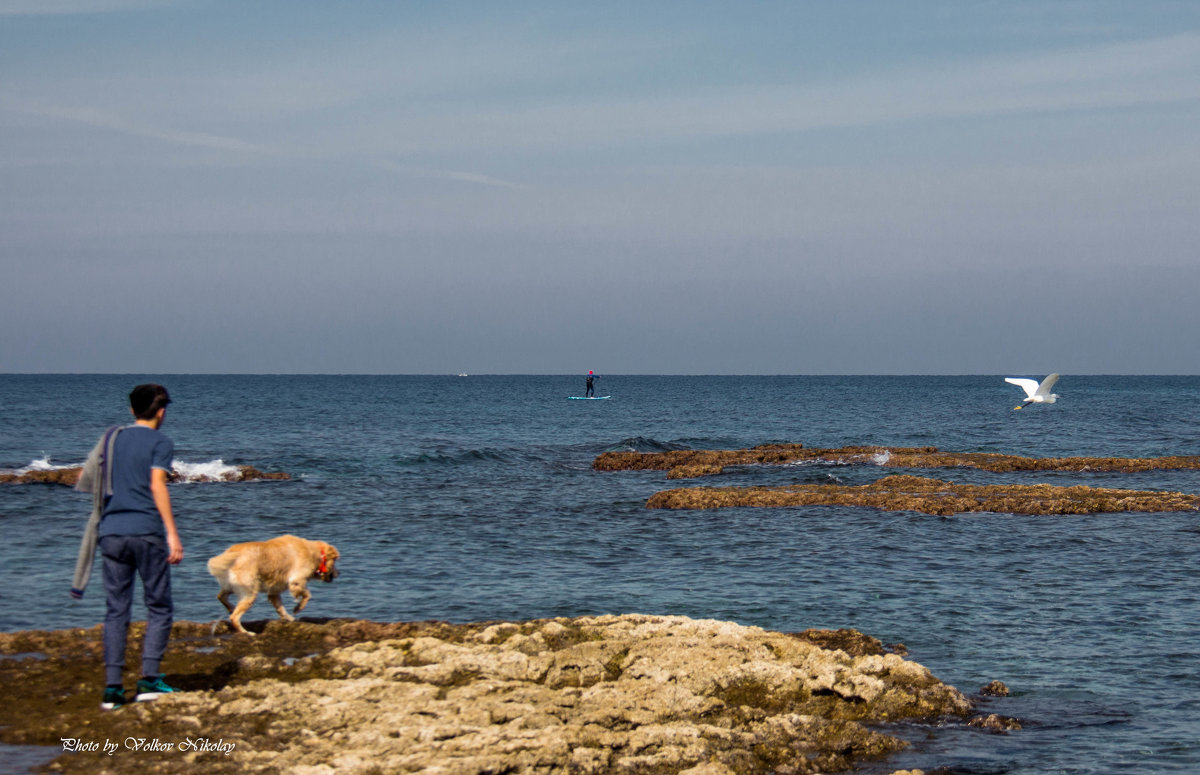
(470, 498)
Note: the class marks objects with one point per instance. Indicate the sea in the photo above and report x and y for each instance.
(473, 498)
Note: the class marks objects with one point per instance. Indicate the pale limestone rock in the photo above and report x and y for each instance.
(622, 694)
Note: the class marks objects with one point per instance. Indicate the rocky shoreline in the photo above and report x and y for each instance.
(901, 492)
(932, 496)
(69, 476)
(628, 694)
(689, 463)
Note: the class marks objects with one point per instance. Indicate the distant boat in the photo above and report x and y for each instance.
(462, 374)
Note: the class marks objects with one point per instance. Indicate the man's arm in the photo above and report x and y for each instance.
(162, 500)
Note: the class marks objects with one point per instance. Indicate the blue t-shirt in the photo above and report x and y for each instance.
(130, 510)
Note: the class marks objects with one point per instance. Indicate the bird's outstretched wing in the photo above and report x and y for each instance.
(1030, 386)
(1044, 388)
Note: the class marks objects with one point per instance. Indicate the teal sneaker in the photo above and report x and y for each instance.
(151, 689)
(114, 697)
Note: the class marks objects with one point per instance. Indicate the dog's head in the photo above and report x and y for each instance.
(326, 568)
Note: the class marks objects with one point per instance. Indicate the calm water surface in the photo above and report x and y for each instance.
(473, 498)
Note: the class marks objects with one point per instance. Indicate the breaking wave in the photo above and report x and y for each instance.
(213, 470)
(644, 444)
(41, 464)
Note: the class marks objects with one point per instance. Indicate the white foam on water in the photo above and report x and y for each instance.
(212, 471)
(816, 462)
(881, 458)
(42, 464)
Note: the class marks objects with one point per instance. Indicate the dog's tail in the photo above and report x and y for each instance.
(220, 565)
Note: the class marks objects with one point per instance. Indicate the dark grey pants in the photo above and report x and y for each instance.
(145, 556)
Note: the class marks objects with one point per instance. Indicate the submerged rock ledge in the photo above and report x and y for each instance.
(624, 694)
(69, 476)
(686, 463)
(931, 496)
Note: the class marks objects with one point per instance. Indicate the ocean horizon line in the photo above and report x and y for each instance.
(139, 374)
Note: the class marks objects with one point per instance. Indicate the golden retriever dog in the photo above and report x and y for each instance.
(286, 562)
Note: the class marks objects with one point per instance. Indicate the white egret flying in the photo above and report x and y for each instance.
(1036, 394)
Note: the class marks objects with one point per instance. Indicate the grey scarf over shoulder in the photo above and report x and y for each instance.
(95, 478)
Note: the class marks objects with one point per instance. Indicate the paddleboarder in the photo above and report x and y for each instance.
(591, 389)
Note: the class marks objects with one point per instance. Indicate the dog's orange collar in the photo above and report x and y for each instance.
(322, 568)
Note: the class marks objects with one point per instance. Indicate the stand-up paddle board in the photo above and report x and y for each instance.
(588, 398)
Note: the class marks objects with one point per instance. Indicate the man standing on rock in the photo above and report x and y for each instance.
(137, 536)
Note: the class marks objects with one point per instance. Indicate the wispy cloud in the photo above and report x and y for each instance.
(67, 7)
(455, 175)
(110, 121)
(471, 177)
(447, 99)
(1158, 71)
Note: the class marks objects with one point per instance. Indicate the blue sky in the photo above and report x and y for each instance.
(701, 187)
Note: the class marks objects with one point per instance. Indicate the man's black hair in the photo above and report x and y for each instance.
(146, 400)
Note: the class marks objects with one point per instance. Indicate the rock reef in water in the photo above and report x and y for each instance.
(241, 474)
(606, 694)
(69, 476)
(931, 496)
(683, 464)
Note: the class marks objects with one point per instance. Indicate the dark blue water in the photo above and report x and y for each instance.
(473, 498)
